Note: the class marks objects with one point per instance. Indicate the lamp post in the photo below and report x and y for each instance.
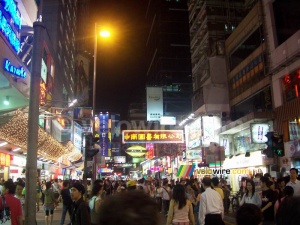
(104, 34)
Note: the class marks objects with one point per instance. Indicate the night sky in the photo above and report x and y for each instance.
(121, 69)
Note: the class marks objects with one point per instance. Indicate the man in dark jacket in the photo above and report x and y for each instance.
(80, 210)
(67, 201)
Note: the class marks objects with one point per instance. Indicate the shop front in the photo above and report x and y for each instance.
(5, 160)
(17, 167)
(240, 166)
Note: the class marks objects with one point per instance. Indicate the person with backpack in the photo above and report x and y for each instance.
(80, 210)
(94, 203)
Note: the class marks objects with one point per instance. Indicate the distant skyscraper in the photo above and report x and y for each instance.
(168, 54)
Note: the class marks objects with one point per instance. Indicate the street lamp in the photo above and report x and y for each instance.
(104, 34)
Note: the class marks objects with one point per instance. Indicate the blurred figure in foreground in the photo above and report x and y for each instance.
(249, 214)
(129, 208)
(289, 212)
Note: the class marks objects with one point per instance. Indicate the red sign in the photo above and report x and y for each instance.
(150, 151)
(153, 136)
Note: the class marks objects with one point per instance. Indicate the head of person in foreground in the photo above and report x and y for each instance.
(129, 208)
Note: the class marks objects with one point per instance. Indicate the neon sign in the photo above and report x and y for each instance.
(10, 23)
(11, 8)
(19, 72)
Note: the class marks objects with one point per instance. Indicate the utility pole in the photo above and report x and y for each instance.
(33, 126)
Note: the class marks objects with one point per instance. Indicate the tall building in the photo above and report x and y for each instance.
(168, 54)
(211, 22)
(283, 38)
(60, 19)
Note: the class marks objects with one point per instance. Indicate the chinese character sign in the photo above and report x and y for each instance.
(104, 134)
(153, 136)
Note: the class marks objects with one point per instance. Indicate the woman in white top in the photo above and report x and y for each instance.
(181, 209)
(251, 195)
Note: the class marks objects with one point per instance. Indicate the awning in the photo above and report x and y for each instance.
(15, 131)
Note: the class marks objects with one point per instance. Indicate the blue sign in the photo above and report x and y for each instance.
(10, 23)
(104, 142)
(11, 7)
(19, 72)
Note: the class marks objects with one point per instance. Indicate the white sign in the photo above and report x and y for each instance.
(167, 120)
(258, 132)
(120, 159)
(154, 103)
(194, 154)
(241, 161)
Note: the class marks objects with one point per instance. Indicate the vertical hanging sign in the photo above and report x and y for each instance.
(103, 138)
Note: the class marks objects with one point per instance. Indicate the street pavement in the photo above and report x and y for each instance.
(40, 217)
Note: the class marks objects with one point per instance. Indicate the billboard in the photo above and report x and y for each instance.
(82, 78)
(210, 124)
(152, 136)
(193, 134)
(154, 103)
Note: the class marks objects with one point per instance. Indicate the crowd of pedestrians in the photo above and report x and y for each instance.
(147, 201)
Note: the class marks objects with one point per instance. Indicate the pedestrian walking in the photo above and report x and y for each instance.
(268, 201)
(49, 203)
(80, 210)
(211, 210)
(13, 203)
(294, 183)
(251, 195)
(67, 201)
(166, 196)
(288, 193)
(94, 203)
(181, 209)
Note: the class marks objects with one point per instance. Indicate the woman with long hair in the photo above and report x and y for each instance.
(95, 201)
(251, 195)
(181, 209)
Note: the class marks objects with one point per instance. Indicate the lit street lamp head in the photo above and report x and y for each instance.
(104, 33)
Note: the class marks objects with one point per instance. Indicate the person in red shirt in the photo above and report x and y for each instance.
(14, 204)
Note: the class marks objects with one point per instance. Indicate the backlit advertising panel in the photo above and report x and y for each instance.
(152, 136)
(193, 134)
(154, 103)
(210, 124)
(258, 132)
